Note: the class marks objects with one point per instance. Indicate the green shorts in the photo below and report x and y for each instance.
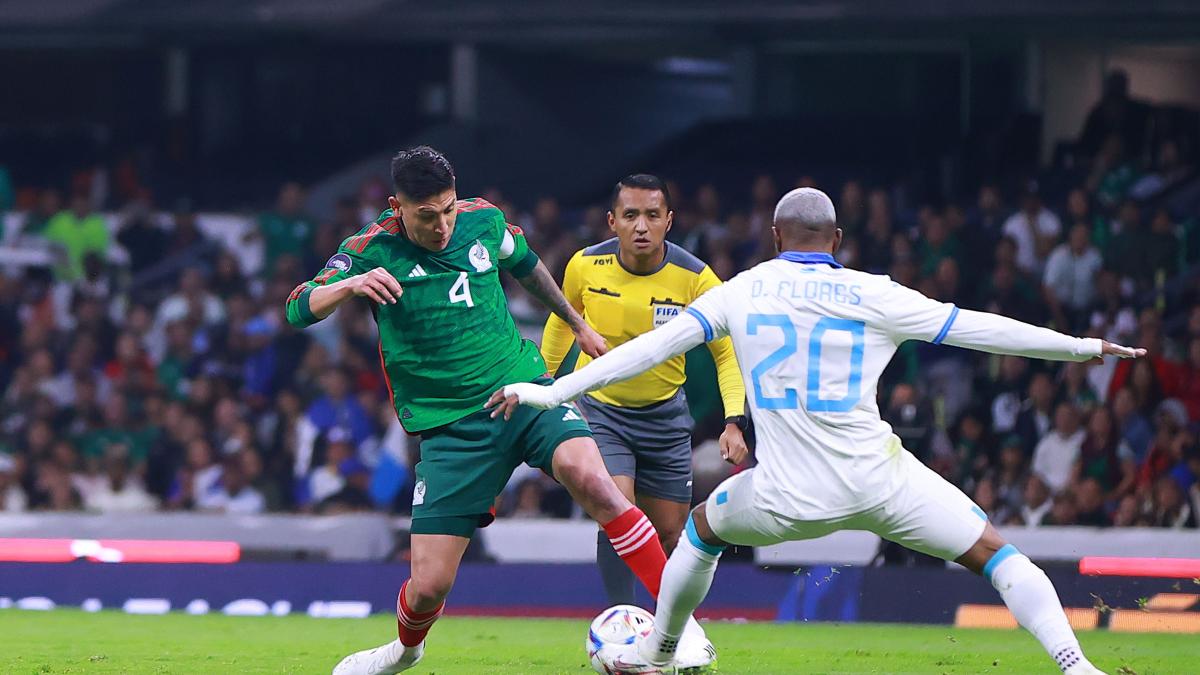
(466, 464)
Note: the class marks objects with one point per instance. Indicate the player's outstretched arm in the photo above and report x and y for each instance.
(983, 331)
(541, 285)
(313, 302)
(632, 358)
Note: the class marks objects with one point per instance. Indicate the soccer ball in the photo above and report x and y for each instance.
(614, 628)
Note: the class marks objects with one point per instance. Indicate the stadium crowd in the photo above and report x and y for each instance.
(165, 376)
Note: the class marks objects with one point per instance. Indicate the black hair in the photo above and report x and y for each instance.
(641, 181)
(421, 172)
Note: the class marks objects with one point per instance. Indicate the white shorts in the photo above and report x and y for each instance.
(926, 514)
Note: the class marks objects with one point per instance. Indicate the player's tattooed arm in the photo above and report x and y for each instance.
(541, 285)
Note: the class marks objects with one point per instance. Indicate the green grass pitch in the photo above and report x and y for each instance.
(67, 641)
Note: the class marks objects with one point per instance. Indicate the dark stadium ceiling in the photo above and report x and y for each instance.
(73, 21)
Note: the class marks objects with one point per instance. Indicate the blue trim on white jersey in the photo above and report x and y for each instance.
(979, 512)
(946, 326)
(810, 258)
(696, 541)
(708, 329)
(1007, 551)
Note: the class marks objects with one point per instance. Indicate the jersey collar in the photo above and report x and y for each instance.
(810, 258)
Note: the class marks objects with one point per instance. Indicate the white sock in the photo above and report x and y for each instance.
(1032, 599)
(686, 580)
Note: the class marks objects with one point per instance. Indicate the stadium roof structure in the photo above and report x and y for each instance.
(36, 21)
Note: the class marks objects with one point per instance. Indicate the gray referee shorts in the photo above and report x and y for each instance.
(651, 445)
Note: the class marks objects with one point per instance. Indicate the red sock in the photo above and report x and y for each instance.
(413, 626)
(634, 539)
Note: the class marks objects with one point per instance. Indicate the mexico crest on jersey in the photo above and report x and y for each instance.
(479, 257)
(664, 310)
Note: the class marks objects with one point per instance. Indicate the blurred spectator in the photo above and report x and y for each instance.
(1076, 389)
(48, 205)
(79, 232)
(1188, 386)
(910, 421)
(198, 477)
(1089, 504)
(1010, 479)
(1167, 172)
(1171, 438)
(1112, 319)
(852, 209)
(355, 493)
(1134, 426)
(327, 479)
(763, 194)
(529, 500)
(1070, 279)
(232, 493)
(1115, 114)
(875, 244)
(119, 491)
(1035, 229)
(337, 407)
(141, 237)
(1113, 172)
(1006, 393)
(1128, 512)
(1036, 509)
(971, 446)
(1105, 458)
(985, 220)
(1170, 508)
(1127, 237)
(286, 230)
(1055, 455)
(12, 496)
(1161, 250)
(1063, 511)
(192, 303)
(1036, 416)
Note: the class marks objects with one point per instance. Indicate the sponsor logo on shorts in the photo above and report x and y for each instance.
(340, 262)
(419, 493)
(572, 414)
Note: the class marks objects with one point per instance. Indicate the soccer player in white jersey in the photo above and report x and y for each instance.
(813, 339)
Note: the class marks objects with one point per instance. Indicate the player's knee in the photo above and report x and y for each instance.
(596, 484)
(429, 590)
(699, 522)
(983, 551)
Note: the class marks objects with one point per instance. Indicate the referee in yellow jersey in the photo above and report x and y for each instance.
(624, 287)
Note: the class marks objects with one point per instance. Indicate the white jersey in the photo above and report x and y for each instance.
(812, 340)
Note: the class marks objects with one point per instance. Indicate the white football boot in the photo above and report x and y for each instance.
(386, 660)
(695, 653)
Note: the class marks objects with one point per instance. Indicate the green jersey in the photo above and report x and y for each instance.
(450, 340)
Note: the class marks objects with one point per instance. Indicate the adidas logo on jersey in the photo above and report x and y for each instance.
(571, 414)
(418, 271)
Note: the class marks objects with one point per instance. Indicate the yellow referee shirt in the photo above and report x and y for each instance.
(622, 305)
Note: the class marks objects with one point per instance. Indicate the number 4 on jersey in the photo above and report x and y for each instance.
(461, 290)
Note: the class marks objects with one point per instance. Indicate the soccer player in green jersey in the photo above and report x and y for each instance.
(430, 265)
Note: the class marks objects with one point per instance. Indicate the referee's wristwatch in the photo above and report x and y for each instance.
(740, 421)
